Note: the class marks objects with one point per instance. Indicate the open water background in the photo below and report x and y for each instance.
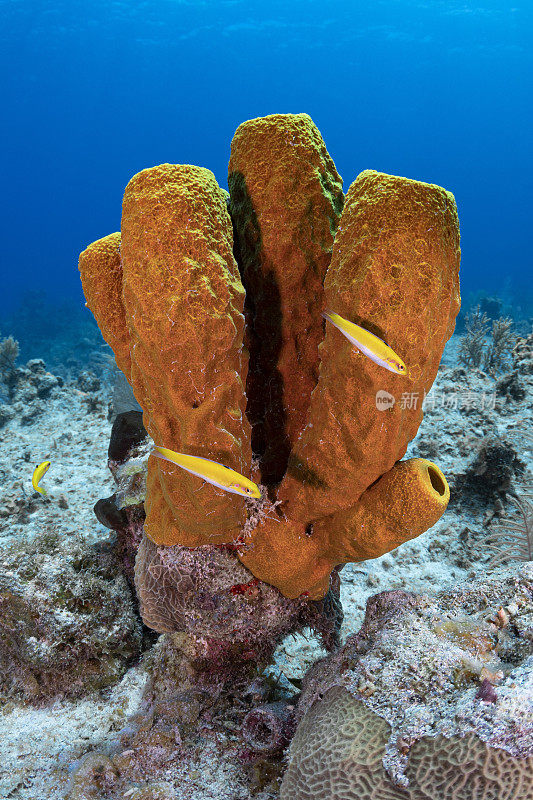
(92, 92)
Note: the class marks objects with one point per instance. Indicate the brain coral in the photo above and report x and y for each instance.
(432, 698)
(221, 336)
(345, 742)
(230, 619)
(286, 198)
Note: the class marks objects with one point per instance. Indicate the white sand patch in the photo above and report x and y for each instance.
(40, 744)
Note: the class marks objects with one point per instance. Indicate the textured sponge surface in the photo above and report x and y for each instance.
(395, 272)
(173, 283)
(227, 352)
(286, 199)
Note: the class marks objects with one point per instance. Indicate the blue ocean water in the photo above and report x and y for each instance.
(437, 90)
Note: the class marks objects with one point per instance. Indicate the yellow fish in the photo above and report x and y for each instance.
(38, 473)
(369, 344)
(211, 471)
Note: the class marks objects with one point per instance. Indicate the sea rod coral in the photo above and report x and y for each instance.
(219, 331)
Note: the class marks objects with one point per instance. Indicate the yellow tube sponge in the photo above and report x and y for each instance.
(395, 272)
(182, 302)
(168, 297)
(404, 503)
(286, 199)
(401, 505)
(101, 277)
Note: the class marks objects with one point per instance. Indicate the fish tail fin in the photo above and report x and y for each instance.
(155, 451)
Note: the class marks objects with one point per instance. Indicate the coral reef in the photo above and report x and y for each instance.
(9, 351)
(523, 354)
(88, 382)
(176, 735)
(172, 309)
(486, 345)
(426, 686)
(511, 387)
(218, 755)
(501, 346)
(473, 342)
(351, 741)
(513, 539)
(27, 386)
(67, 623)
(491, 471)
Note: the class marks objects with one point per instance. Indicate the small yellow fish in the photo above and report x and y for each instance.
(369, 344)
(211, 472)
(38, 473)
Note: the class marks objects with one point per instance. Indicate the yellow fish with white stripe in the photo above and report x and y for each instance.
(211, 472)
(38, 473)
(369, 344)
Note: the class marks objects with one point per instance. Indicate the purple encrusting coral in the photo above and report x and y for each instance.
(233, 620)
(486, 692)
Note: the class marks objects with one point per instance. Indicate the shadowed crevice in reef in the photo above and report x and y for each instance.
(301, 471)
(128, 432)
(263, 339)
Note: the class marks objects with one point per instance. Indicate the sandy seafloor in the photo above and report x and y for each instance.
(40, 746)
